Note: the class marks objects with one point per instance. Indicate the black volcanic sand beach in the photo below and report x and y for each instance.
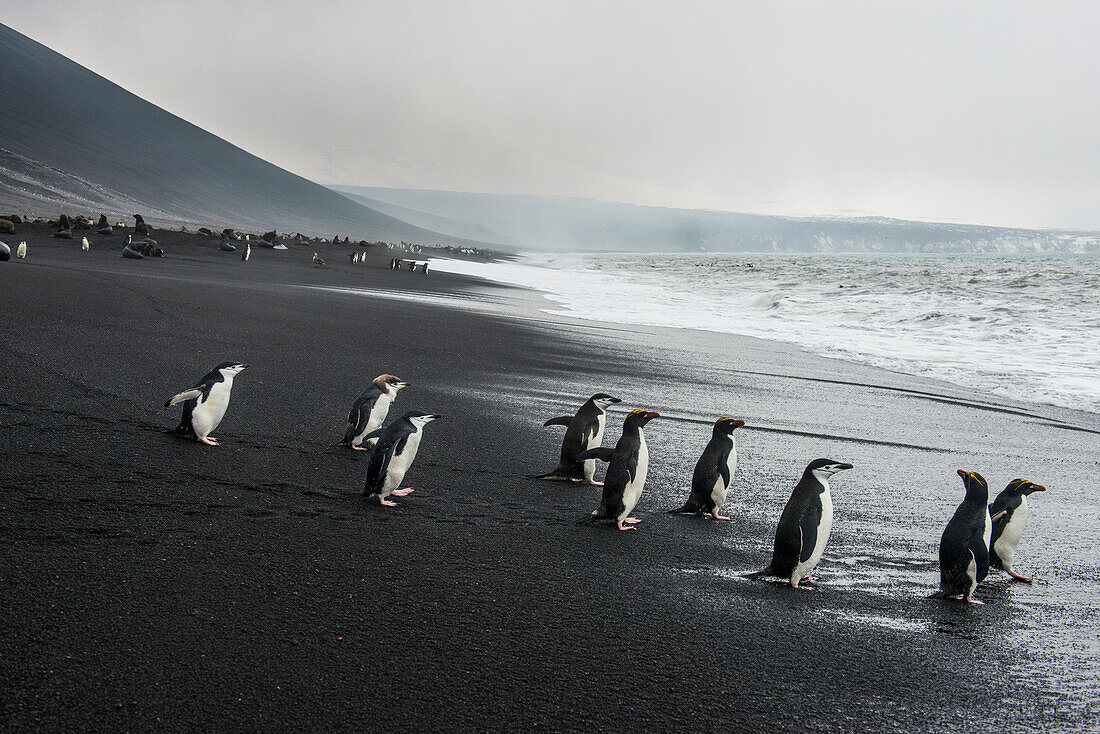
(151, 583)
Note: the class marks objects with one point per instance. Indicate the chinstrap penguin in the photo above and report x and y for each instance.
(393, 455)
(204, 405)
(1008, 513)
(710, 482)
(964, 545)
(628, 464)
(805, 525)
(370, 409)
(584, 431)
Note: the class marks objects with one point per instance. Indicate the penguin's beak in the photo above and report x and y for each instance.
(614, 400)
(402, 384)
(737, 423)
(1038, 488)
(961, 472)
(651, 415)
(840, 466)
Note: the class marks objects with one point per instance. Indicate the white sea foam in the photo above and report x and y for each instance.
(1023, 326)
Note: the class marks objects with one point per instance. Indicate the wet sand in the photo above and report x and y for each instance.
(151, 583)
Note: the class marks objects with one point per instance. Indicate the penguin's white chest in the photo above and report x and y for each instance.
(400, 463)
(379, 411)
(721, 489)
(633, 489)
(207, 414)
(1010, 536)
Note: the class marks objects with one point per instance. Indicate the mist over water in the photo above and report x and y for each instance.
(1021, 326)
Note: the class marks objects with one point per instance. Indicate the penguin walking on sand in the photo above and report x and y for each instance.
(84, 244)
(370, 409)
(627, 466)
(318, 261)
(710, 482)
(964, 545)
(584, 431)
(204, 405)
(393, 455)
(21, 251)
(1008, 514)
(805, 525)
(247, 252)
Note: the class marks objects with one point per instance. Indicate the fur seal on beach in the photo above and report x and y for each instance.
(64, 228)
(225, 245)
(140, 227)
(1008, 514)
(204, 405)
(393, 455)
(710, 482)
(370, 409)
(627, 466)
(964, 545)
(103, 226)
(584, 431)
(805, 525)
(5, 252)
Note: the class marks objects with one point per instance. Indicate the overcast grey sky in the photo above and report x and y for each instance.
(983, 112)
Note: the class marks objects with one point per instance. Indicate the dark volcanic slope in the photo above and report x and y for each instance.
(70, 138)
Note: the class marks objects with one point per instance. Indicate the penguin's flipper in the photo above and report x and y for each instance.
(192, 394)
(998, 516)
(561, 420)
(724, 472)
(603, 454)
(373, 434)
(808, 526)
(590, 430)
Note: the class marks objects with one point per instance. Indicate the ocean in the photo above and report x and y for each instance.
(1021, 326)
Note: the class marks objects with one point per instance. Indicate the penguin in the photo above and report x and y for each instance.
(370, 409)
(964, 545)
(628, 464)
(1008, 514)
(317, 260)
(84, 244)
(393, 455)
(204, 405)
(21, 251)
(247, 252)
(104, 227)
(140, 227)
(713, 472)
(584, 431)
(805, 525)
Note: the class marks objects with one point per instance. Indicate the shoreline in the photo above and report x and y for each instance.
(251, 581)
(559, 305)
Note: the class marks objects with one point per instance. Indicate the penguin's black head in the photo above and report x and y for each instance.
(1023, 487)
(640, 417)
(825, 468)
(230, 368)
(419, 418)
(604, 400)
(726, 426)
(976, 486)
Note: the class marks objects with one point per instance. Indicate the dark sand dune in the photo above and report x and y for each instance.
(153, 584)
(71, 139)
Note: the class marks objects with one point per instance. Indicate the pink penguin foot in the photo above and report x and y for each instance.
(972, 600)
(596, 484)
(811, 579)
(574, 479)
(1018, 577)
(357, 447)
(630, 527)
(720, 517)
(631, 521)
(209, 441)
(401, 492)
(387, 503)
(795, 585)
